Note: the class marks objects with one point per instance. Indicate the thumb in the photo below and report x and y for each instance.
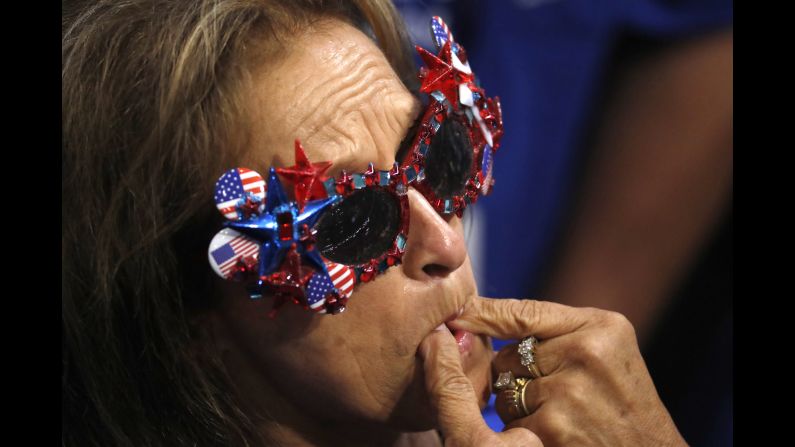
(453, 395)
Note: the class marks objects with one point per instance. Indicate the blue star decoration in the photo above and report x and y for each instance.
(278, 228)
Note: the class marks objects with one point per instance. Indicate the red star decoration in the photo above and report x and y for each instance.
(244, 267)
(440, 74)
(335, 304)
(289, 282)
(307, 177)
(394, 255)
(394, 173)
(370, 176)
(343, 183)
(307, 238)
(296, 272)
(250, 207)
(369, 271)
(495, 120)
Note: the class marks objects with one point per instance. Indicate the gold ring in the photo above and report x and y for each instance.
(515, 398)
(520, 391)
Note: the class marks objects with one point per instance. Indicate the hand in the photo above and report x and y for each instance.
(456, 403)
(595, 388)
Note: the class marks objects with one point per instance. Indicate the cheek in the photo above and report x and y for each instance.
(357, 364)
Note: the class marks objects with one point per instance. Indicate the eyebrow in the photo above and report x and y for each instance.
(400, 151)
(411, 132)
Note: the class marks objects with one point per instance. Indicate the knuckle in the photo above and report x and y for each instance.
(483, 436)
(591, 348)
(477, 437)
(521, 435)
(553, 423)
(530, 313)
(525, 437)
(609, 318)
(618, 325)
(575, 391)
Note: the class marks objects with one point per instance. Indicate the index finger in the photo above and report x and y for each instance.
(511, 318)
(458, 413)
(449, 388)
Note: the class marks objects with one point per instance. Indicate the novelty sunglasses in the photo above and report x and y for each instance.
(344, 230)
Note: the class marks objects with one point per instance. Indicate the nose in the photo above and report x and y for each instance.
(434, 247)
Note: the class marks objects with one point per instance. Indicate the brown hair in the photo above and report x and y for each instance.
(153, 111)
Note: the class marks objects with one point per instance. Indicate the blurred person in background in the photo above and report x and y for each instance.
(622, 186)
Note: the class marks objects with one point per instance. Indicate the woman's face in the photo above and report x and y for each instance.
(336, 92)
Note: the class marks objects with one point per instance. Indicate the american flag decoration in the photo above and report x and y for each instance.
(340, 280)
(440, 33)
(232, 188)
(317, 289)
(448, 78)
(342, 276)
(487, 168)
(227, 247)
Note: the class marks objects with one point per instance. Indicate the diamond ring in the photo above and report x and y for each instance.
(505, 381)
(527, 351)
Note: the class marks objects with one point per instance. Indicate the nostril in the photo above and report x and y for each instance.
(436, 270)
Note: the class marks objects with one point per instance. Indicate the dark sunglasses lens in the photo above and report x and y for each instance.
(361, 227)
(448, 164)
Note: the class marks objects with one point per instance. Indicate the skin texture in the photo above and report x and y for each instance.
(354, 376)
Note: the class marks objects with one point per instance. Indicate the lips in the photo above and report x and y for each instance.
(463, 338)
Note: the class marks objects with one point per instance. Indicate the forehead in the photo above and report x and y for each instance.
(335, 91)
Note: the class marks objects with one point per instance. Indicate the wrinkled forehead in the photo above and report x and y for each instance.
(336, 92)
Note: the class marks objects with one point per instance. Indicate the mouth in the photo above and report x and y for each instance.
(463, 339)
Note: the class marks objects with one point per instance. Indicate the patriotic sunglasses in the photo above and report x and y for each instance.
(346, 230)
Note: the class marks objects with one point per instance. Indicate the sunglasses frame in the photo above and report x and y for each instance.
(392, 181)
(438, 111)
(287, 275)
